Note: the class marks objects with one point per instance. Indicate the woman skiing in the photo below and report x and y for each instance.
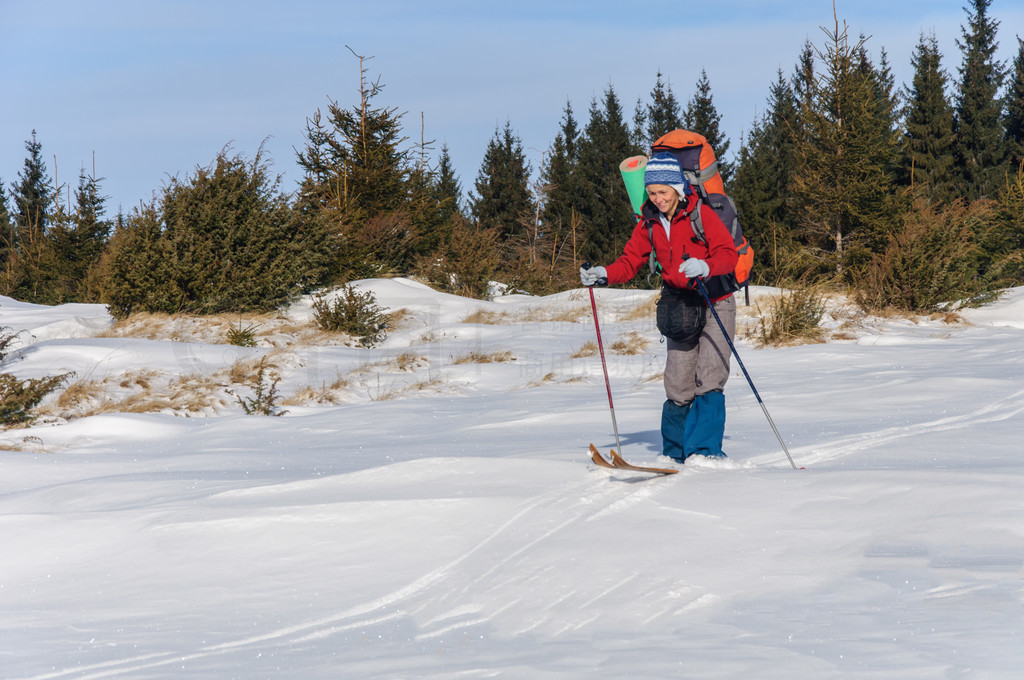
(697, 363)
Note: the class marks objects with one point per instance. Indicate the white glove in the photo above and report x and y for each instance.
(694, 269)
(591, 277)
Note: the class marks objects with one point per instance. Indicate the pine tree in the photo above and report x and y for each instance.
(980, 149)
(702, 117)
(928, 137)
(502, 200)
(1013, 121)
(602, 204)
(663, 114)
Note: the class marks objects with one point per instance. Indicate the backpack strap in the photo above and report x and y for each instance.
(698, 177)
(652, 261)
(695, 221)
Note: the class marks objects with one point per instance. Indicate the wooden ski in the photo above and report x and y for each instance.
(617, 463)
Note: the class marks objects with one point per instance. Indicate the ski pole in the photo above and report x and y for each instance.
(604, 365)
(704, 292)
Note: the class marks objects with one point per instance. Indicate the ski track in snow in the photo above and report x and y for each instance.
(998, 410)
(441, 594)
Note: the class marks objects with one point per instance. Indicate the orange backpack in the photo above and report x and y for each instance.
(700, 167)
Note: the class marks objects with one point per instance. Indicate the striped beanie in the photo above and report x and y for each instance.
(663, 168)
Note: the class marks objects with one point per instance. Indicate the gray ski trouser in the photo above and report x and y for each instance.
(701, 366)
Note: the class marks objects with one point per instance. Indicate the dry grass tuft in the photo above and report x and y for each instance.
(408, 362)
(949, 318)
(478, 358)
(195, 393)
(587, 349)
(332, 393)
(483, 316)
(142, 378)
(30, 443)
(541, 315)
(306, 395)
(397, 318)
(631, 343)
(792, 318)
(397, 390)
(143, 391)
(269, 330)
(546, 380)
(244, 371)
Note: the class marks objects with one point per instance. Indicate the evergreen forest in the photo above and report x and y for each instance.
(907, 195)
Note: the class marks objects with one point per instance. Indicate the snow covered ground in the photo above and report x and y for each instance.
(432, 511)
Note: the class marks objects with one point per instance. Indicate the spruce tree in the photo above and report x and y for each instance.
(664, 113)
(137, 271)
(442, 205)
(702, 117)
(358, 184)
(425, 218)
(52, 274)
(602, 204)
(1013, 121)
(560, 175)
(6, 232)
(502, 201)
(884, 116)
(844, 156)
(638, 135)
(354, 160)
(979, 145)
(223, 239)
(448, 189)
(887, 97)
(761, 186)
(804, 76)
(91, 229)
(370, 167)
(30, 268)
(32, 195)
(928, 137)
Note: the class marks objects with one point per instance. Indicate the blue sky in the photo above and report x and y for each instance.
(155, 88)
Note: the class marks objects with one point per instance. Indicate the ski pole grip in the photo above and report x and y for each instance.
(603, 281)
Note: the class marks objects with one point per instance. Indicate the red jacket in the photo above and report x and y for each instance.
(719, 251)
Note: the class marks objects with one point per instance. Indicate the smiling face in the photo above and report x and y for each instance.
(664, 198)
